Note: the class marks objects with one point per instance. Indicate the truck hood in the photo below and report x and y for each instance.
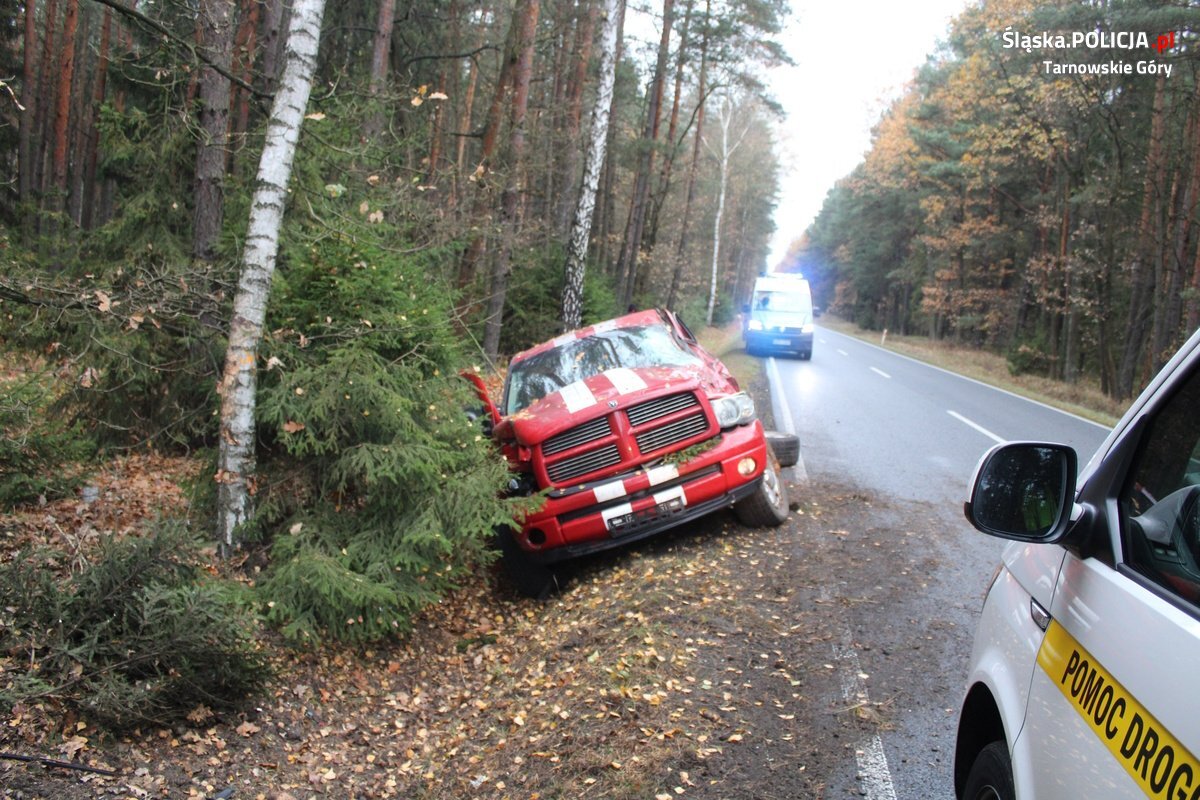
(602, 394)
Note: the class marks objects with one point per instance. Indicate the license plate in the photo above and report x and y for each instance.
(784, 342)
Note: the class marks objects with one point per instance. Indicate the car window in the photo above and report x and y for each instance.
(645, 346)
(1160, 504)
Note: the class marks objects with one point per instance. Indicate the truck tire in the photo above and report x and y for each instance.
(528, 576)
(768, 506)
(785, 446)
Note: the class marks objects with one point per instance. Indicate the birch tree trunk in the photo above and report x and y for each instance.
(572, 308)
(236, 461)
(723, 155)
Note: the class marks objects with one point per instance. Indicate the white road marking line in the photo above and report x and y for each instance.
(980, 428)
(783, 416)
(843, 352)
(881, 372)
(872, 761)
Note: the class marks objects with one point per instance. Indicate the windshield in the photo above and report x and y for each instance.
(540, 375)
(780, 301)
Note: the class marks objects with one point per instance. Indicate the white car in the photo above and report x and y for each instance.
(1084, 679)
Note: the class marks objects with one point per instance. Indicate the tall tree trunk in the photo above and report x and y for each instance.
(62, 109)
(698, 137)
(726, 151)
(585, 34)
(216, 38)
(481, 207)
(81, 118)
(276, 19)
(658, 196)
(437, 123)
(239, 381)
(245, 47)
(380, 58)
(43, 119)
(572, 307)
(90, 195)
(1142, 279)
(628, 266)
(26, 143)
(526, 21)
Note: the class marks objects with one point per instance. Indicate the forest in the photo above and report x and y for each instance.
(1033, 197)
(267, 238)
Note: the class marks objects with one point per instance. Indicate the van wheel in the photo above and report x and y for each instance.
(991, 775)
(528, 576)
(768, 506)
(785, 446)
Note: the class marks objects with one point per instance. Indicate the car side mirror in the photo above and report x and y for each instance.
(1024, 491)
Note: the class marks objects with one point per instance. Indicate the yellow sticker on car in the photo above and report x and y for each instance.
(1155, 759)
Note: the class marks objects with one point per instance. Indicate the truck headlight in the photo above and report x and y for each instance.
(754, 325)
(808, 328)
(734, 409)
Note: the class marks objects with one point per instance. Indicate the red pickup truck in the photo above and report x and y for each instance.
(629, 427)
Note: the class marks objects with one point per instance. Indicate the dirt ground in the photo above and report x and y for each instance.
(696, 665)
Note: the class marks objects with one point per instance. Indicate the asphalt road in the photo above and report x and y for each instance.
(905, 438)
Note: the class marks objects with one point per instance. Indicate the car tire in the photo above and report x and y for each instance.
(991, 775)
(785, 446)
(768, 506)
(806, 355)
(528, 576)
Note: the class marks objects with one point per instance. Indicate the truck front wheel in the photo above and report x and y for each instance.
(768, 506)
(527, 575)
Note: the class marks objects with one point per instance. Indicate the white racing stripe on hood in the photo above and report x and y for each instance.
(625, 380)
(577, 396)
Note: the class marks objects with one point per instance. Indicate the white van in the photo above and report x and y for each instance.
(779, 316)
(1082, 679)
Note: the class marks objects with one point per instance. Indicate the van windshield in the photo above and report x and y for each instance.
(780, 301)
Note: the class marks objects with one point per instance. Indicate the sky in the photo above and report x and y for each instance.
(853, 57)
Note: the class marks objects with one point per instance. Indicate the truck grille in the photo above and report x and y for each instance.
(593, 446)
(660, 407)
(587, 432)
(591, 461)
(672, 432)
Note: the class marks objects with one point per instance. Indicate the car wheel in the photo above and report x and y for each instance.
(768, 506)
(785, 446)
(991, 776)
(806, 355)
(528, 576)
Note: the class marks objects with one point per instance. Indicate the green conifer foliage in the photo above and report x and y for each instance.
(381, 493)
(141, 635)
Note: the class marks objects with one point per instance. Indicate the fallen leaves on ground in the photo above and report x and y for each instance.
(639, 680)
